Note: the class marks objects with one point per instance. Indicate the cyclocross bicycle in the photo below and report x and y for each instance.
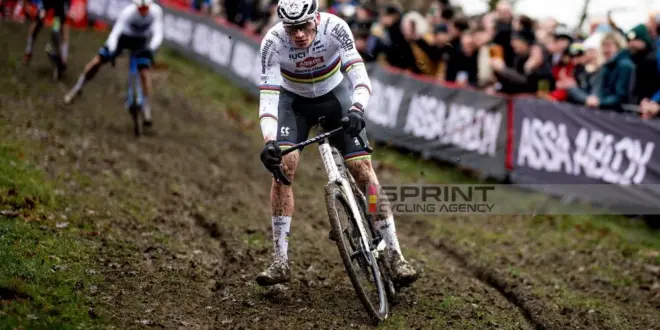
(135, 97)
(361, 247)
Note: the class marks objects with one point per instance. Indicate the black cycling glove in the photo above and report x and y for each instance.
(271, 155)
(355, 122)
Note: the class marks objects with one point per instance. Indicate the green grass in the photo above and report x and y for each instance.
(22, 186)
(43, 269)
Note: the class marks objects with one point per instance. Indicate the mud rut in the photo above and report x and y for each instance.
(185, 221)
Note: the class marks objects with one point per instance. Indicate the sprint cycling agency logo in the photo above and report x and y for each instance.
(430, 199)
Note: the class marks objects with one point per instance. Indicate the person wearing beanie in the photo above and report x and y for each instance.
(561, 40)
(642, 53)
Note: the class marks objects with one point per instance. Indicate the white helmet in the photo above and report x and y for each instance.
(142, 3)
(293, 12)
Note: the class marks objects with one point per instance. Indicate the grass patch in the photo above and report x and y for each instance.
(22, 187)
(44, 270)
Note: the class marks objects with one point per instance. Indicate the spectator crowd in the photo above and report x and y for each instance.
(497, 52)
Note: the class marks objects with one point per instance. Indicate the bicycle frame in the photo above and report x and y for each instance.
(134, 84)
(334, 177)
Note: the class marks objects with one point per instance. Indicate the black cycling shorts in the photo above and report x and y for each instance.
(297, 115)
(60, 8)
(132, 44)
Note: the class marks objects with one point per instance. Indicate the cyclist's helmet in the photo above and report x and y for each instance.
(142, 3)
(294, 12)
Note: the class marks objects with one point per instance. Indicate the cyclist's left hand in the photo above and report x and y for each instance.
(271, 155)
(355, 122)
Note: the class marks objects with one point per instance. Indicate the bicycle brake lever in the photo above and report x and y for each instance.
(364, 144)
(280, 177)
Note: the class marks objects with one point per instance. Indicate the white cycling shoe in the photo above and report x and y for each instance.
(68, 98)
(403, 274)
(278, 272)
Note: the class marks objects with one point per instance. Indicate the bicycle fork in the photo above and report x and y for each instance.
(335, 177)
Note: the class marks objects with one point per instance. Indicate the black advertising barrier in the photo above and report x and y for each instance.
(463, 127)
(558, 144)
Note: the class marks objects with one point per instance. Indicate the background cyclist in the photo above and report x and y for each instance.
(139, 27)
(60, 9)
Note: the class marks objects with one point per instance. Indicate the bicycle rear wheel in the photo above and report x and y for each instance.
(361, 267)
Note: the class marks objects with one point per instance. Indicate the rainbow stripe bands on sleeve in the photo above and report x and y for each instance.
(363, 86)
(351, 64)
(269, 89)
(267, 115)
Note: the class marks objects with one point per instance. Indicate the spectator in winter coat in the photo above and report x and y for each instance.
(529, 73)
(438, 50)
(415, 30)
(616, 75)
(558, 46)
(487, 50)
(642, 53)
(585, 75)
(462, 67)
(564, 72)
(399, 53)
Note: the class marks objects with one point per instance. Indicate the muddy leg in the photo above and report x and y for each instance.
(363, 172)
(281, 201)
(364, 175)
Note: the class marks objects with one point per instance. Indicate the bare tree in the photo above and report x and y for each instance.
(493, 3)
(583, 15)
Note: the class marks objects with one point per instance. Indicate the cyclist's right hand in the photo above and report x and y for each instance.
(271, 156)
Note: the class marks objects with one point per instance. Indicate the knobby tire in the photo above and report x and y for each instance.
(333, 195)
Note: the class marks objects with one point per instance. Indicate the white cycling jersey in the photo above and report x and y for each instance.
(310, 72)
(131, 23)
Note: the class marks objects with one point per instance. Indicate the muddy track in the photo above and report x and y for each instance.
(186, 223)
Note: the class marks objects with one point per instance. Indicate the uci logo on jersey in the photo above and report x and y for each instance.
(297, 56)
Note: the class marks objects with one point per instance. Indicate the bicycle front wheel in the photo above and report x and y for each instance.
(361, 267)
